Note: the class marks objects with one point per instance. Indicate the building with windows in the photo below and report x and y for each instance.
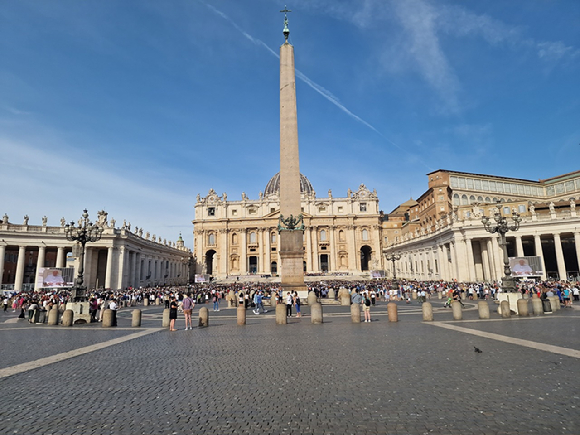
(122, 258)
(441, 235)
(238, 238)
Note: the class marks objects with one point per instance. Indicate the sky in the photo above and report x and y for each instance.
(135, 107)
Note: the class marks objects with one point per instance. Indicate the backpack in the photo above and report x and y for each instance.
(367, 302)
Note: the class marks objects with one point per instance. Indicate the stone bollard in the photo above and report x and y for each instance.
(203, 317)
(273, 302)
(523, 307)
(345, 300)
(107, 318)
(157, 301)
(505, 309)
(53, 316)
(554, 302)
(165, 319)
(392, 312)
(67, 318)
(439, 295)
(316, 313)
(457, 310)
(241, 311)
(136, 319)
(281, 314)
(483, 309)
(427, 311)
(462, 294)
(146, 302)
(537, 307)
(331, 294)
(414, 295)
(355, 313)
(312, 299)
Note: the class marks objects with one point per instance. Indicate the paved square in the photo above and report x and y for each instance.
(408, 377)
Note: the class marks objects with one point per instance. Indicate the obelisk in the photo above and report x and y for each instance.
(290, 226)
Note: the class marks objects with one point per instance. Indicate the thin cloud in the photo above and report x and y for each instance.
(315, 86)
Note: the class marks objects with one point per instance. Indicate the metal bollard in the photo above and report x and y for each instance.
(316, 313)
(392, 312)
(427, 312)
(67, 318)
(241, 311)
(523, 307)
(483, 309)
(505, 309)
(203, 317)
(355, 313)
(457, 310)
(281, 314)
(136, 319)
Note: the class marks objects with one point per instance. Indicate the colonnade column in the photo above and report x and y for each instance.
(60, 257)
(243, 253)
(315, 259)
(352, 260)
(109, 271)
(120, 272)
(470, 260)
(20, 268)
(519, 247)
(133, 268)
(308, 235)
(267, 251)
(39, 263)
(576, 244)
(453, 261)
(224, 254)
(497, 258)
(332, 254)
(2, 257)
(137, 270)
(485, 260)
(560, 257)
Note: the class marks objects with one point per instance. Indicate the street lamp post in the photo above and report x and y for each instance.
(393, 258)
(499, 224)
(83, 233)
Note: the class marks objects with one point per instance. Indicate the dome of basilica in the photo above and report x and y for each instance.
(273, 186)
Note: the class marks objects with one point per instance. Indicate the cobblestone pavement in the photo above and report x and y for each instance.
(408, 377)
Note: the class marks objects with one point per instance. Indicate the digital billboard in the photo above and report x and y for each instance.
(54, 277)
(526, 266)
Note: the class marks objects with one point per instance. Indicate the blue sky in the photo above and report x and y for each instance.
(135, 107)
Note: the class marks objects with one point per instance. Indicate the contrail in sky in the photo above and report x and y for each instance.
(322, 91)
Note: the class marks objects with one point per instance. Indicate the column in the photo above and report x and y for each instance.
(519, 247)
(133, 256)
(20, 268)
(576, 244)
(308, 235)
(332, 248)
(453, 251)
(109, 270)
(443, 262)
(39, 264)
(224, 253)
(352, 260)
(3, 255)
(497, 258)
(470, 260)
(244, 253)
(485, 260)
(315, 259)
(137, 270)
(261, 253)
(560, 257)
(60, 257)
(267, 251)
(121, 268)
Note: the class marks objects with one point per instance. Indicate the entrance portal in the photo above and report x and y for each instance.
(365, 257)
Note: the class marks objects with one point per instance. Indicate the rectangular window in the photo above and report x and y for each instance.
(211, 211)
(453, 182)
(461, 183)
(560, 188)
(272, 209)
(485, 185)
(514, 188)
(550, 191)
(492, 186)
(506, 210)
(470, 183)
(520, 189)
(363, 206)
(321, 209)
(252, 211)
(234, 212)
(477, 184)
(527, 190)
(570, 186)
(340, 209)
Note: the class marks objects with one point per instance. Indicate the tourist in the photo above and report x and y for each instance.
(216, 303)
(297, 304)
(367, 308)
(187, 305)
(356, 298)
(288, 305)
(5, 302)
(173, 305)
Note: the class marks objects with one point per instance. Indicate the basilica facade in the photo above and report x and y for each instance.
(240, 237)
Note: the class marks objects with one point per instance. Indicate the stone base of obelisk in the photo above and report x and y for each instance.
(81, 313)
(292, 264)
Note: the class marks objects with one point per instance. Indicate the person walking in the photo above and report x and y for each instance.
(216, 302)
(172, 313)
(187, 305)
(5, 302)
(258, 301)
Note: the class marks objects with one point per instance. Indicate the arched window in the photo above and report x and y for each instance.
(487, 199)
(234, 239)
(480, 199)
(211, 239)
(252, 237)
(341, 236)
(456, 199)
(464, 200)
(471, 199)
(365, 235)
(323, 236)
(273, 237)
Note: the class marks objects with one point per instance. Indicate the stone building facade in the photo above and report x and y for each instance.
(240, 237)
(124, 257)
(441, 235)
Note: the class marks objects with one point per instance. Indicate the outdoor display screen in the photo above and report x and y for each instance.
(54, 277)
(526, 266)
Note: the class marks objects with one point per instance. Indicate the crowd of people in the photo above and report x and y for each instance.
(252, 295)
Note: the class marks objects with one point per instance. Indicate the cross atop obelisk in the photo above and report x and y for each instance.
(291, 225)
